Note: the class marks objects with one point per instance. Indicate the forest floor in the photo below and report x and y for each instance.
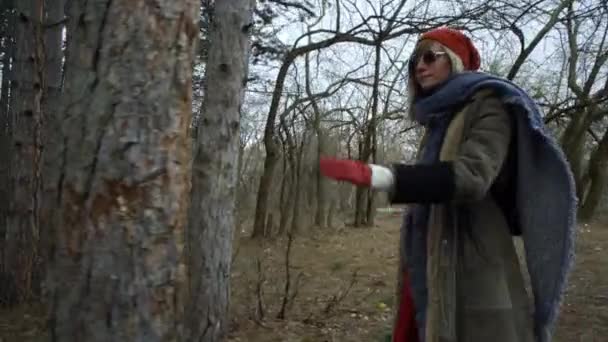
(328, 261)
(345, 289)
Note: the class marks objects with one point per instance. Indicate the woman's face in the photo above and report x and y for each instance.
(431, 66)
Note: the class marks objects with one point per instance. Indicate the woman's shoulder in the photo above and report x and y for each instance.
(485, 94)
(486, 98)
(485, 103)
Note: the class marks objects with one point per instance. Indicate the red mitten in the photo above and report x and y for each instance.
(352, 171)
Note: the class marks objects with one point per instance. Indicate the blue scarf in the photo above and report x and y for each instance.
(547, 220)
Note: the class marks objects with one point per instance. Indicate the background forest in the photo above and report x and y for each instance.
(158, 160)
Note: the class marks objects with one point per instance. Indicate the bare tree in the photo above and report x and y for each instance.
(597, 179)
(587, 108)
(117, 269)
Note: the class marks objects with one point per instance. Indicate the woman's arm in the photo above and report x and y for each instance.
(467, 178)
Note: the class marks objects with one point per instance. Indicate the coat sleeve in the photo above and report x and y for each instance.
(470, 175)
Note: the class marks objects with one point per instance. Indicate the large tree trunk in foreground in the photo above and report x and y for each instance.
(214, 181)
(123, 192)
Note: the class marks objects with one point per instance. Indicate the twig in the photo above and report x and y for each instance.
(260, 291)
(294, 293)
(341, 295)
(286, 297)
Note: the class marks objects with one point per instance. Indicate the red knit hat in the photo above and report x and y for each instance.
(457, 42)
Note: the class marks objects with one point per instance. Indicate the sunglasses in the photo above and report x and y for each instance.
(428, 57)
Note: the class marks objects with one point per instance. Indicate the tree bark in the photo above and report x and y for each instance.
(214, 179)
(117, 269)
(22, 226)
(7, 17)
(51, 127)
(55, 16)
(8, 52)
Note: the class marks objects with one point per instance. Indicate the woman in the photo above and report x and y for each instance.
(486, 171)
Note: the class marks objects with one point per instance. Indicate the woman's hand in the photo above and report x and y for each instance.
(352, 171)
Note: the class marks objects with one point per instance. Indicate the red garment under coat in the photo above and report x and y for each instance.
(405, 328)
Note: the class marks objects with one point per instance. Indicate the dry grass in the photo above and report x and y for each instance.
(328, 259)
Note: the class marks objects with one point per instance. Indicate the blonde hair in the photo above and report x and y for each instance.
(456, 66)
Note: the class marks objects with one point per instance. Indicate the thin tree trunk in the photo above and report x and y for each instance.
(261, 208)
(320, 181)
(212, 214)
(598, 179)
(321, 193)
(372, 143)
(297, 191)
(361, 192)
(117, 270)
(285, 198)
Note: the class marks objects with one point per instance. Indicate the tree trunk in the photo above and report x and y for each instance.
(272, 154)
(297, 188)
(372, 144)
(361, 192)
(117, 265)
(54, 53)
(321, 194)
(285, 197)
(598, 179)
(6, 16)
(321, 182)
(261, 208)
(573, 143)
(22, 226)
(212, 214)
(51, 128)
(365, 196)
(8, 53)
